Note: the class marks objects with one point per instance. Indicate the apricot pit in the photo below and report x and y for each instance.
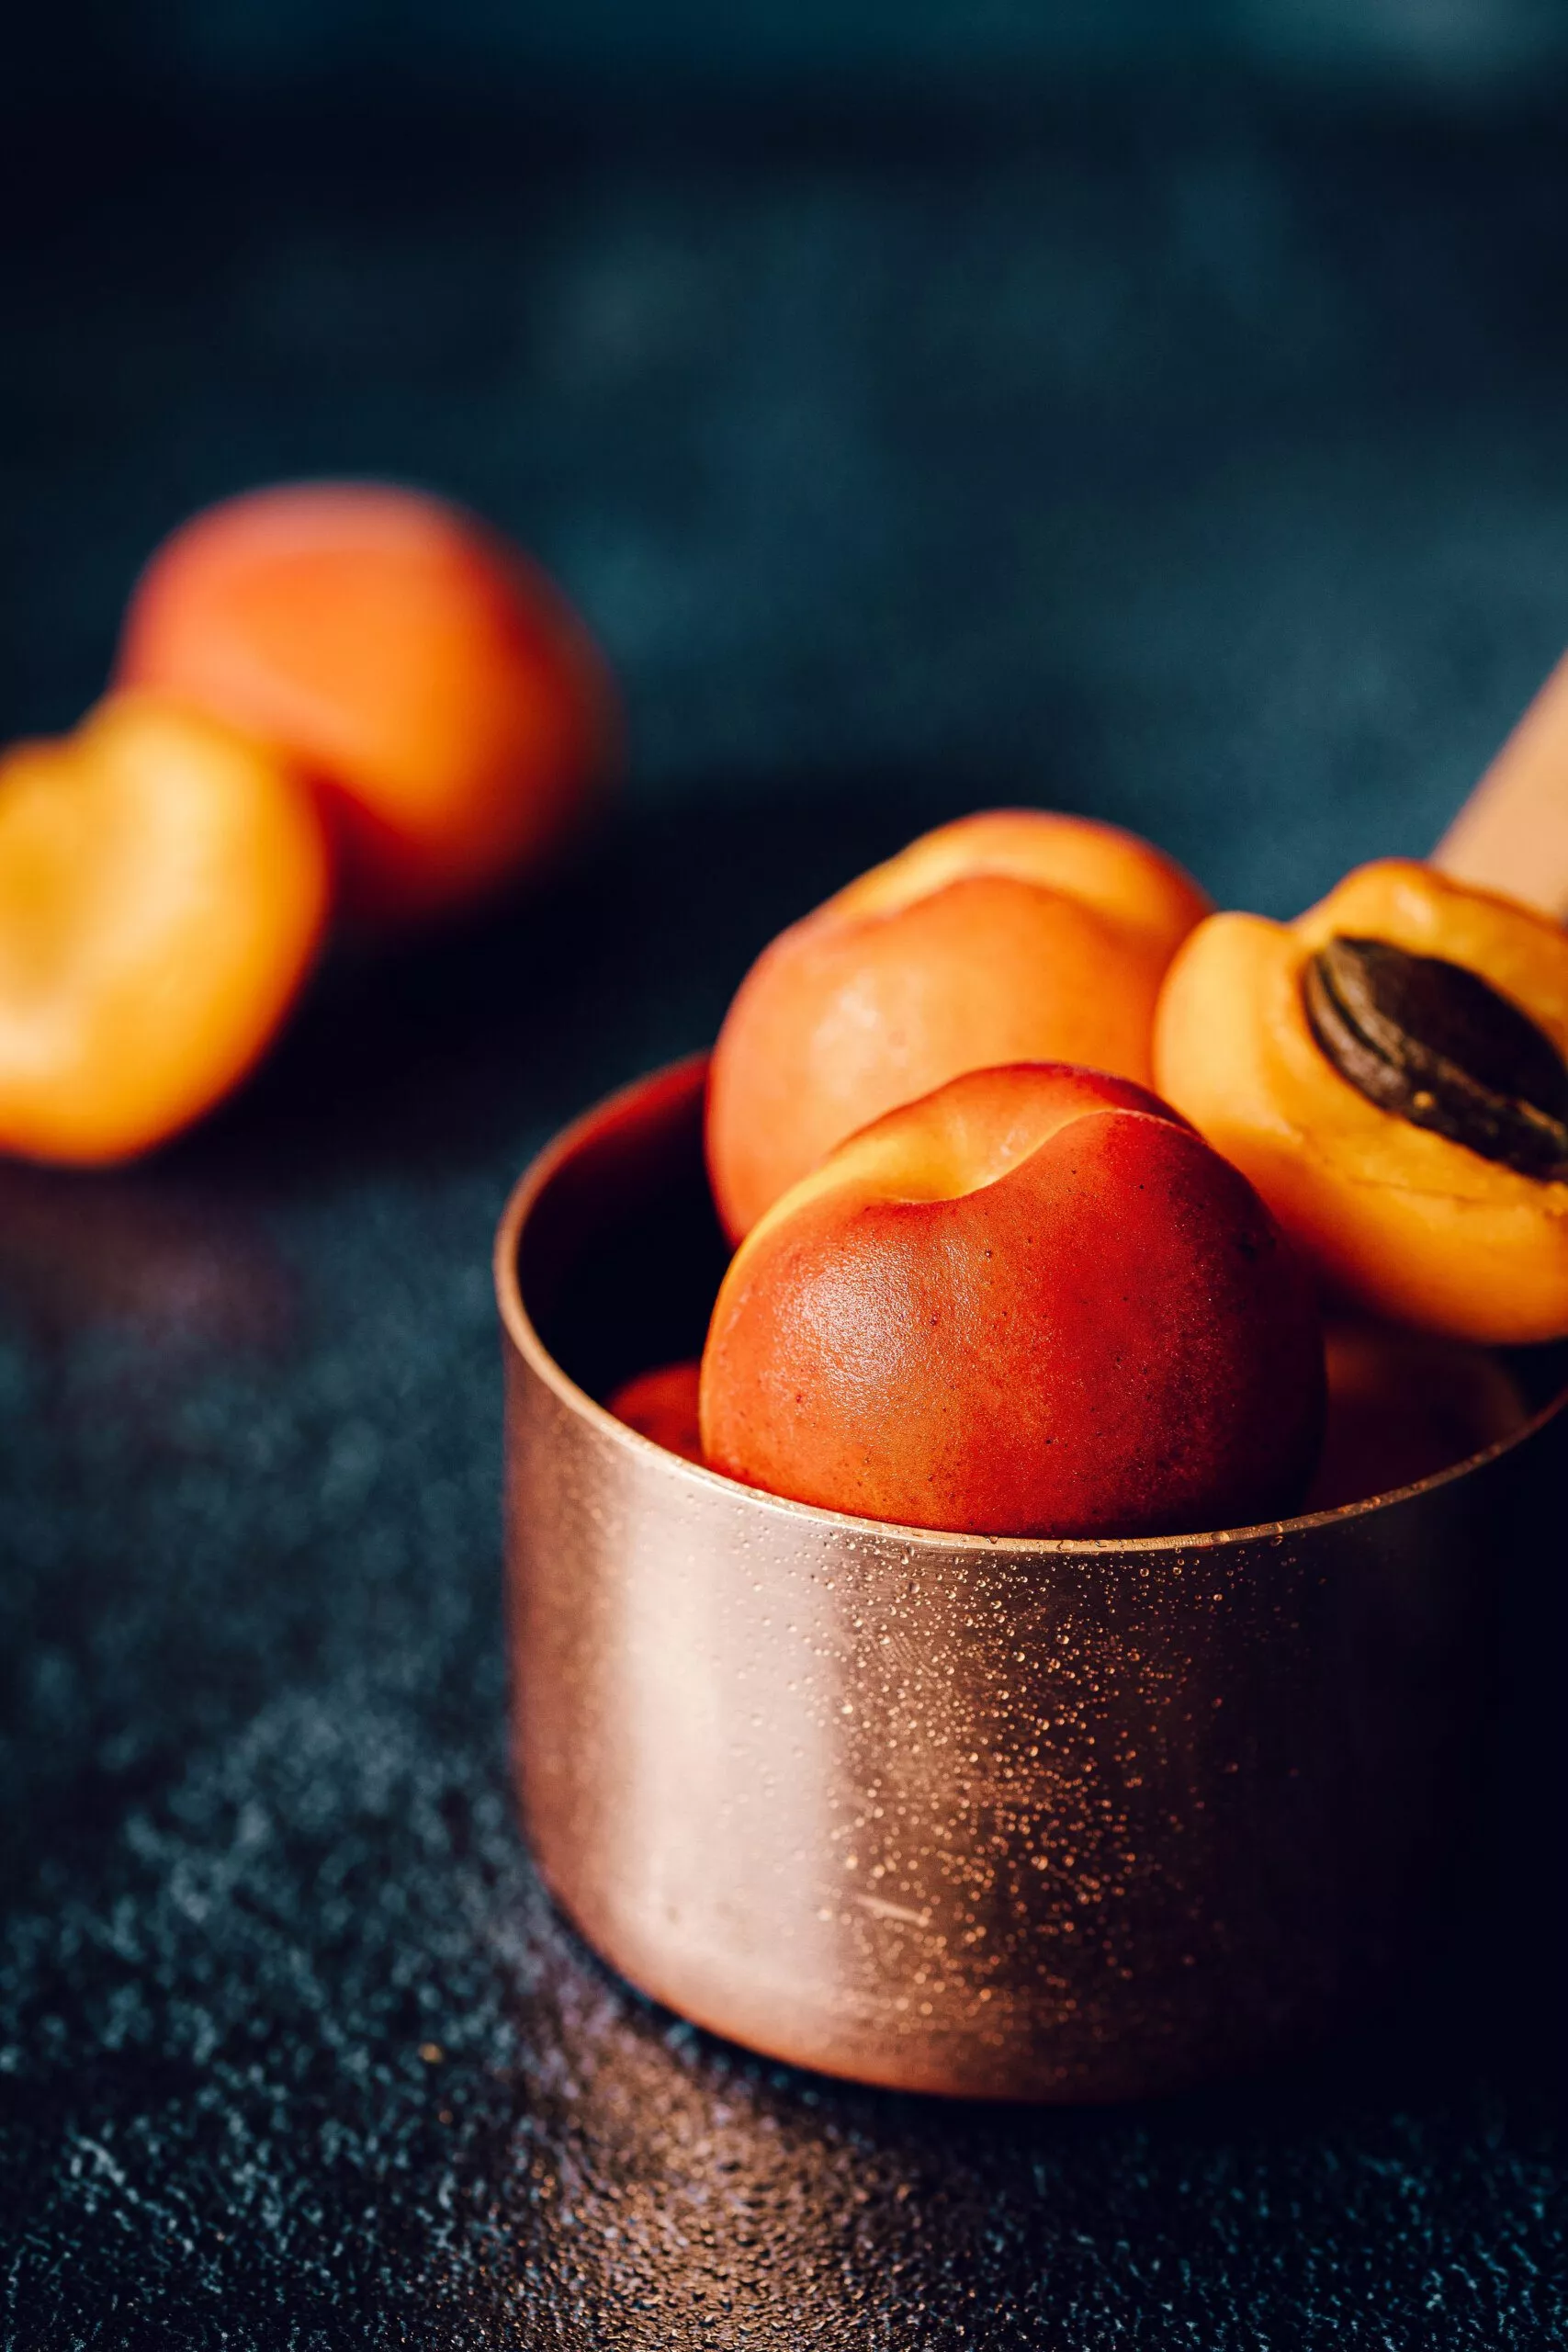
(1433, 1043)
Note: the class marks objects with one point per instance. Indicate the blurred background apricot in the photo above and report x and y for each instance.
(164, 888)
(334, 697)
(429, 680)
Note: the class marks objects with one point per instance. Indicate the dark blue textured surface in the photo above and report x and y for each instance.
(1204, 464)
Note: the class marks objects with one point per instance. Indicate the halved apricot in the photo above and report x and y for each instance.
(1355, 1136)
(164, 885)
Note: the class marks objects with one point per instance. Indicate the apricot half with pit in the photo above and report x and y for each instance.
(1391, 1071)
(1033, 1303)
(1014, 936)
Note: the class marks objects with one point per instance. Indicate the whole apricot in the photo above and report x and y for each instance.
(164, 885)
(662, 1405)
(1402, 1406)
(1016, 935)
(1374, 1068)
(1033, 1303)
(431, 683)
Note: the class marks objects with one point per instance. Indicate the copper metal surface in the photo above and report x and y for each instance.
(1005, 1819)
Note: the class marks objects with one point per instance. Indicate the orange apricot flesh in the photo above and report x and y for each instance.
(1404, 1223)
(1013, 936)
(163, 887)
(431, 683)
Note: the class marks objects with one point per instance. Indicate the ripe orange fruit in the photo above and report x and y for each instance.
(429, 681)
(164, 885)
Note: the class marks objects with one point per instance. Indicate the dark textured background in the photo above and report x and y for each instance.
(1192, 451)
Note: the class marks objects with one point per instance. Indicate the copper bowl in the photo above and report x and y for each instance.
(1023, 1820)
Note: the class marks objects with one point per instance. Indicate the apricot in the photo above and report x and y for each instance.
(1402, 1406)
(431, 683)
(1396, 1137)
(662, 1405)
(1032, 1302)
(1016, 935)
(164, 885)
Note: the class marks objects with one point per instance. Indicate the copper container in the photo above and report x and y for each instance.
(1025, 1820)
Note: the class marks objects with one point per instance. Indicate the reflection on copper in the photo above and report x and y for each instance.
(1002, 1819)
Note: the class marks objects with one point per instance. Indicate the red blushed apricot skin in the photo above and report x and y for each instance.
(1111, 1339)
(448, 706)
(1032, 937)
(662, 1405)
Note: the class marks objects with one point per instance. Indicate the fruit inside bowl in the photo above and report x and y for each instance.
(1031, 1296)
(1032, 1302)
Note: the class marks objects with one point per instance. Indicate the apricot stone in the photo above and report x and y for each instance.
(1016, 935)
(428, 679)
(1404, 1221)
(1033, 1303)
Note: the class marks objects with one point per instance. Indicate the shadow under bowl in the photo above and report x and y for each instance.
(995, 1818)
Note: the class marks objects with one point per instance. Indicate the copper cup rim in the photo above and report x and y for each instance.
(519, 1328)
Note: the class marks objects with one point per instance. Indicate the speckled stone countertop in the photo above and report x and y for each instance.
(1202, 461)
